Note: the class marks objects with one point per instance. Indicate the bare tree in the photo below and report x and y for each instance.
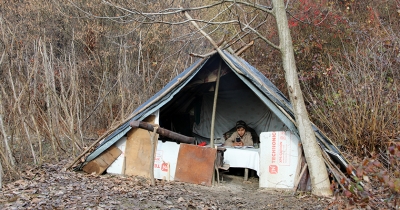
(1, 175)
(315, 161)
(9, 154)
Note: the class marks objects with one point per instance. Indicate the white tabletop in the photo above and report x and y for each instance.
(242, 158)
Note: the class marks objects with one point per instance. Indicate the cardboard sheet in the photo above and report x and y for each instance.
(138, 151)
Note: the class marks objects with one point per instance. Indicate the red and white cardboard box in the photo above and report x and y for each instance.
(278, 159)
(165, 160)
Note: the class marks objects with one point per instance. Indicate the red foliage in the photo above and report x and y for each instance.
(372, 172)
(310, 12)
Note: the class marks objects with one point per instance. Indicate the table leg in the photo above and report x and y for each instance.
(216, 170)
(246, 174)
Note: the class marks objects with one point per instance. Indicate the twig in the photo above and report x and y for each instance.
(98, 104)
(298, 180)
(244, 48)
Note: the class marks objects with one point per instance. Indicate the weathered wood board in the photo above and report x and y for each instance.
(195, 164)
(138, 151)
(103, 161)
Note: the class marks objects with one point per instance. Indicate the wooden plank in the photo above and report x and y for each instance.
(195, 164)
(304, 179)
(103, 161)
(224, 167)
(296, 184)
(298, 167)
(138, 151)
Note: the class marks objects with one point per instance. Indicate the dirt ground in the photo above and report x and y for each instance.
(49, 187)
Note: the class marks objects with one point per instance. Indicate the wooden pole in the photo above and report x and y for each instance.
(298, 180)
(213, 115)
(153, 148)
(299, 161)
(215, 106)
(162, 131)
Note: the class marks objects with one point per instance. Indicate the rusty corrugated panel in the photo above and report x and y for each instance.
(195, 164)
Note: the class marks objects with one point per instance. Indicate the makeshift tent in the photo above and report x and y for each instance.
(185, 105)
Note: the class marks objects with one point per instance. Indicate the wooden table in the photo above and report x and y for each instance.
(247, 158)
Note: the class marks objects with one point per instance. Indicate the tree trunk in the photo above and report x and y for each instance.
(1, 175)
(319, 175)
(3, 131)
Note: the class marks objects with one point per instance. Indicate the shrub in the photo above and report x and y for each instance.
(376, 181)
(358, 102)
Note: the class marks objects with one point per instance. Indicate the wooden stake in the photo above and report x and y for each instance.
(124, 164)
(153, 140)
(299, 160)
(298, 180)
(215, 106)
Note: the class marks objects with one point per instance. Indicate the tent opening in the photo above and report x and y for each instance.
(189, 112)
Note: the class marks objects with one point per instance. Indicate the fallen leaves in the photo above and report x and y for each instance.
(50, 187)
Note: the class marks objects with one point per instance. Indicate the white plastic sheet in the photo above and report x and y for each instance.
(165, 160)
(117, 166)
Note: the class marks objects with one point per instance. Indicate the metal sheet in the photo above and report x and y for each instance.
(125, 128)
(195, 164)
(155, 102)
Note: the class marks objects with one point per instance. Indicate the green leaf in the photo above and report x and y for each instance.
(351, 189)
(359, 188)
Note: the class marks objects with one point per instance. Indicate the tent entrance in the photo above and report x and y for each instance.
(189, 112)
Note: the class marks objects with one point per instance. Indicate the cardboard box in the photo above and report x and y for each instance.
(278, 159)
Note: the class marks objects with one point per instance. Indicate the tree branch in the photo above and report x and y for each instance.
(262, 37)
(170, 11)
(263, 8)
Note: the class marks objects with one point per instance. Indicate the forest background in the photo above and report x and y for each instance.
(70, 70)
